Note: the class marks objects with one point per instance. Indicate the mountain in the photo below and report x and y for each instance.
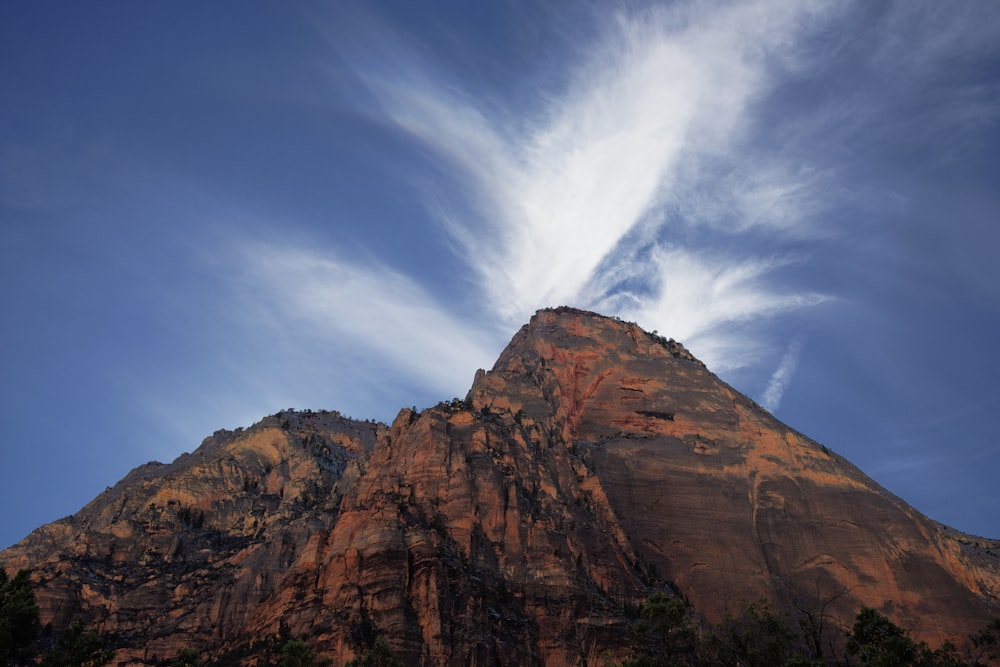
(595, 464)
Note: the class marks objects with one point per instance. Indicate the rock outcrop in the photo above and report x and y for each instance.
(594, 464)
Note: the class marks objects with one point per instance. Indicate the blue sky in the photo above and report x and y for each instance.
(211, 212)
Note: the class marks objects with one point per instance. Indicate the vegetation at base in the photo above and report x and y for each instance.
(297, 653)
(266, 653)
(18, 618)
(668, 634)
(379, 655)
(186, 658)
(78, 647)
(22, 642)
(293, 653)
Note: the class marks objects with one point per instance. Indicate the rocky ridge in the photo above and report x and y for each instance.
(593, 465)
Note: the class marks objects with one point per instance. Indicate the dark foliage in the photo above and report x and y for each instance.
(668, 635)
(78, 647)
(297, 653)
(186, 658)
(379, 655)
(19, 632)
(759, 637)
(18, 618)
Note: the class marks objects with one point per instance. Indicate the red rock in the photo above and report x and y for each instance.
(594, 464)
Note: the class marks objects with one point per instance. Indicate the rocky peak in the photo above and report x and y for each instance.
(574, 369)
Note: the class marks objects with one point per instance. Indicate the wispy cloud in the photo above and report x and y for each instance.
(782, 376)
(705, 299)
(645, 141)
(288, 325)
(360, 309)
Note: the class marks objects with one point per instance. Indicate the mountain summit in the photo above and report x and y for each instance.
(594, 465)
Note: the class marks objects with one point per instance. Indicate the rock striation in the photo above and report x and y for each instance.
(595, 464)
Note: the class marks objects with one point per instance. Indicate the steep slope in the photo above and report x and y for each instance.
(721, 497)
(594, 464)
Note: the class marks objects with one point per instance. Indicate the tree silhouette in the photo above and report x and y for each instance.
(379, 655)
(18, 618)
(78, 647)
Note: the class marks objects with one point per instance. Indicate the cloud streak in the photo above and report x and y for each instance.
(365, 310)
(707, 300)
(606, 177)
(782, 376)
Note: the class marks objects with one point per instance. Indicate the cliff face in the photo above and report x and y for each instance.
(720, 497)
(594, 464)
(180, 555)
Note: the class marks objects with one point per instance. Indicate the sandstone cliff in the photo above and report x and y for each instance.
(594, 464)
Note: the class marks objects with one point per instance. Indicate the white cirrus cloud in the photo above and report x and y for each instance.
(782, 376)
(647, 123)
(704, 299)
(363, 309)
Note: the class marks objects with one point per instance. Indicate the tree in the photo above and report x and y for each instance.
(78, 647)
(985, 644)
(877, 641)
(666, 633)
(297, 653)
(18, 618)
(379, 655)
(758, 637)
(186, 658)
(881, 643)
(819, 629)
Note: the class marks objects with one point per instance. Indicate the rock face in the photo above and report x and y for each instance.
(593, 465)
